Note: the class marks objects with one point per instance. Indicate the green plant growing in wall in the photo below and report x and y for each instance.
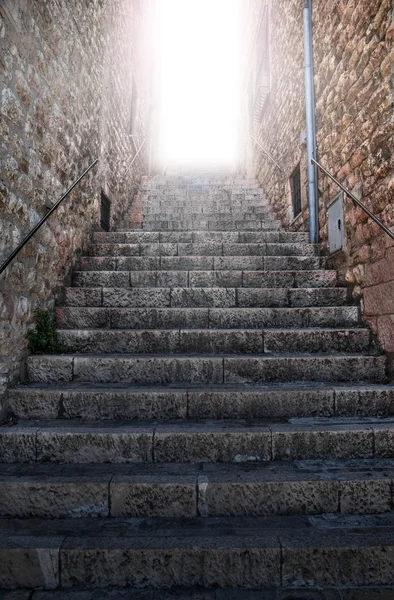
(44, 338)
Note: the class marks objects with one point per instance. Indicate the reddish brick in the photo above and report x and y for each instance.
(385, 327)
(379, 299)
(381, 271)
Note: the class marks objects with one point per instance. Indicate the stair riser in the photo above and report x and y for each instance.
(189, 237)
(205, 443)
(213, 342)
(210, 318)
(199, 213)
(201, 279)
(205, 297)
(308, 561)
(203, 370)
(205, 225)
(113, 495)
(201, 263)
(164, 405)
(203, 249)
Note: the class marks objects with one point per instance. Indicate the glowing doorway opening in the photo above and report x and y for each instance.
(198, 58)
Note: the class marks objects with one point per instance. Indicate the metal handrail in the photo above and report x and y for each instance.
(355, 200)
(267, 153)
(134, 158)
(40, 223)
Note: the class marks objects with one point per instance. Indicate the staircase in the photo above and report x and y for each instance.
(220, 422)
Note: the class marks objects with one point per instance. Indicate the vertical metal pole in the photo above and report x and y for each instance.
(310, 125)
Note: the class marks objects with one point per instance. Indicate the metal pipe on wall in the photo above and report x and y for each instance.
(310, 125)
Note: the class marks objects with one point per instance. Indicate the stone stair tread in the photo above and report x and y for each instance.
(357, 550)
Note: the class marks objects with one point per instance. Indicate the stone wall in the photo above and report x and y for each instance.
(282, 126)
(67, 70)
(354, 82)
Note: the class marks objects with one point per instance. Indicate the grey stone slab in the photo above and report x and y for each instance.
(259, 237)
(262, 297)
(181, 237)
(29, 562)
(96, 279)
(289, 263)
(82, 297)
(214, 236)
(153, 496)
(365, 401)
(15, 595)
(238, 263)
(172, 279)
(80, 317)
(124, 404)
(257, 317)
(162, 249)
(347, 368)
(315, 279)
(138, 263)
(18, 443)
(49, 368)
(224, 279)
(256, 494)
(384, 440)
(316, 340)
(350, 559)
(255, 404)
(31, 403)
(104, 341)
(143, 370)
(239, 249)
(334, 316)
(231, 594)
(54, 496)
(142, 237)
(209, 297)
(186, 263)
(139, 297)
(365, 494)
(112, 594)
(212, 443)
(155, 318)
(266, 279)
(220, 341)
(299, 442)
(290, 249)
(318, 296)
(210, 248)
(144, 279)
(368, 594)
(94, 444)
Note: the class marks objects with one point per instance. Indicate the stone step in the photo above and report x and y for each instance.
(217, 552)
(206, 224)
(208, 297)
(183, 593)
(76, 441)
(202, 279)
(201, 263)
(203, 249)
(208, 207)
(197, 213)
(208, 318)
(213, 341)
(269, 401)
(205, 490)
(197, 237)
(156, 369)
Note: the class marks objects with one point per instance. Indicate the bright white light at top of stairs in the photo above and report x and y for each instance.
(198, 58)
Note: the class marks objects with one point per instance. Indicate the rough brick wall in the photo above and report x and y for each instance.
(66, 72)
(354, 82)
